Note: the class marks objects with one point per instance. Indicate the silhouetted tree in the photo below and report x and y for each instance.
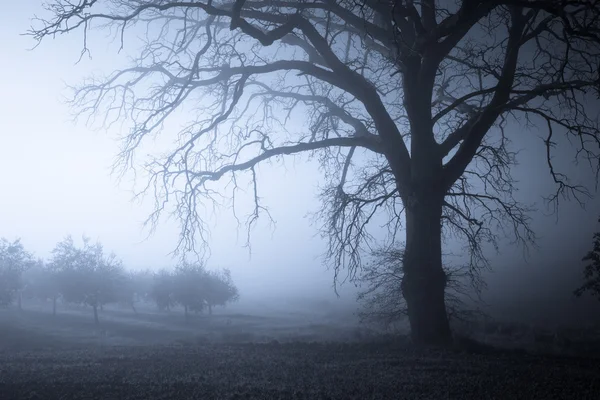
(405, 103)
(591, 271)
(219, 289)
(86, 275)
(14, 260)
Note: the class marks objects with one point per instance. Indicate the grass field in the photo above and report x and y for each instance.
(271, 355)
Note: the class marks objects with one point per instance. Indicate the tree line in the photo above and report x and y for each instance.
(87, 275)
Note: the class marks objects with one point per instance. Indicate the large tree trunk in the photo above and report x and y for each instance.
(424, 281)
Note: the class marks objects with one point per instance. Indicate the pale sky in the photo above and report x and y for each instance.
(55, 180)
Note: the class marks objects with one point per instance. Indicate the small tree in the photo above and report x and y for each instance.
(86, 275)
(14, 260)
(219, 289)
(188, 287)
(162, 290)
(65, 262)
(591, 272)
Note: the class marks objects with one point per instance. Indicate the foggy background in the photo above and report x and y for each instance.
(56, 181)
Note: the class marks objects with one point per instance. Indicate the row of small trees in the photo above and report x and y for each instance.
(87, 276)
(192, 287)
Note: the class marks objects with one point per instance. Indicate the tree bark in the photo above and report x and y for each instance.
(424, 280)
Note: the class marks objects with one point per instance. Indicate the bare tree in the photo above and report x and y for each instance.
(405, 104)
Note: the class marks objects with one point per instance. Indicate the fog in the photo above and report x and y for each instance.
(261, 314)
(56, 181)
(60, 182)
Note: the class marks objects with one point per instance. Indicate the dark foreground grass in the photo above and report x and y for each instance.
(290, 371)
(35, 364)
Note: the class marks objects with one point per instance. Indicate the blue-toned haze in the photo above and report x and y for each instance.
(56, 180)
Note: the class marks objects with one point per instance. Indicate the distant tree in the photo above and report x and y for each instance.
(86, 275)
(406, 105)
(42, 283)
(189, 287)
(591, 271)
(66, 261)
(143, 282)
(162, 289)
(14, 260)
(135, 287)
(219, 289)
(125, 288)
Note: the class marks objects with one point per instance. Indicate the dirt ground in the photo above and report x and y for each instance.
(239, 356)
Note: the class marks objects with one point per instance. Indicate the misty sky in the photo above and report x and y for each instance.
(55, 180)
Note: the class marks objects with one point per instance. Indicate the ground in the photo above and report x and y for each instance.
(243, 356)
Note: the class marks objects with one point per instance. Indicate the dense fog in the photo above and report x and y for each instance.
(313, 199)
